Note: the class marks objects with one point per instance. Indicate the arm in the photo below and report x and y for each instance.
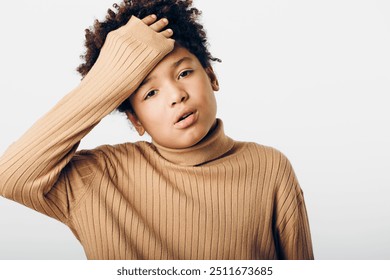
(41, 159)
(291, 229)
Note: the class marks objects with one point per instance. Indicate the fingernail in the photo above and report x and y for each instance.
(153, 16)
(165, 20)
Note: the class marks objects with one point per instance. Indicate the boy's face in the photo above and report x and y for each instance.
(175, 104)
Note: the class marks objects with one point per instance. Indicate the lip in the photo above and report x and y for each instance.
(190, 120)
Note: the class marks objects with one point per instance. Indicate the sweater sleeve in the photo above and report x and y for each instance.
(291, 228)
(36, 169)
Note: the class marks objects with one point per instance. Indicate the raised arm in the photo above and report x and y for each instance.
(39, 160)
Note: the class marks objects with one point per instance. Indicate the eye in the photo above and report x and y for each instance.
(185, 73)
(150, 94)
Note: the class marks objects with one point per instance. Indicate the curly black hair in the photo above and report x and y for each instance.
(183, 20)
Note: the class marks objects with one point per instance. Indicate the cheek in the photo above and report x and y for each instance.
(199, 86)
(207, 95)
(151, 113)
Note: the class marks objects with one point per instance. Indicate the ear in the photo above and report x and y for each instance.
(213, 78)
(136, 123)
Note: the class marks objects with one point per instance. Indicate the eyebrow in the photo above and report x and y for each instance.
(180, 61)
(174, 65)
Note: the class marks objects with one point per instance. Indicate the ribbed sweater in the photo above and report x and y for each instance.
(220, 199)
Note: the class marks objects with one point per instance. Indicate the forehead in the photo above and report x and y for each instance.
(173, 58)
(178, 56)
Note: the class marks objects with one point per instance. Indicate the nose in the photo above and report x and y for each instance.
(178, 95)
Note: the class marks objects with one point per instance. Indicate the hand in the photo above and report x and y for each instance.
(151, 21)
(116, 57)
(158, 25)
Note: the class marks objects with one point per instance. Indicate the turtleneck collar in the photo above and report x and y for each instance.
(213, 146)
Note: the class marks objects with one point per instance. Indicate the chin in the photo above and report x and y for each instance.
(195, 139)
(188, 139)
(184, 142)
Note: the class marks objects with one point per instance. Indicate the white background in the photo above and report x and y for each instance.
(310, 78)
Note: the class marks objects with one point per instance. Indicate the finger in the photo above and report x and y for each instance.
(171, 40)
(167, 33)
(159, 25)
(148, 20)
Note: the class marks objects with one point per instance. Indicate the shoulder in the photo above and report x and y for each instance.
(263, 153)
(276, 169)
(106, 160)
(270, 161)
(113, 154)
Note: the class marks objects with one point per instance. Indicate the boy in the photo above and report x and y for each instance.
(193, 193)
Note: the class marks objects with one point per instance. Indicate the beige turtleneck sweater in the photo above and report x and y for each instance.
(219, 199)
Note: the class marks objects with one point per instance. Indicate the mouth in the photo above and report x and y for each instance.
(184, 116)
(186, 119)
